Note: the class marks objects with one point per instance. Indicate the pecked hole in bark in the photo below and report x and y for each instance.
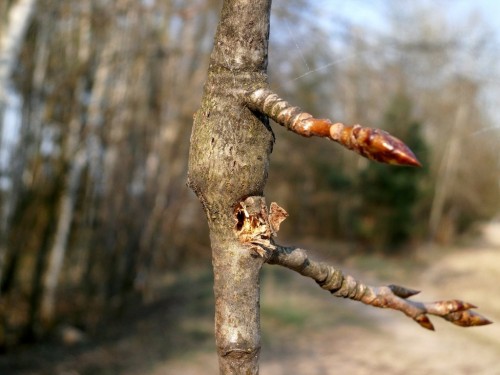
(240, 220)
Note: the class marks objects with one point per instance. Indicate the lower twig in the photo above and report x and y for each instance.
(391, 296)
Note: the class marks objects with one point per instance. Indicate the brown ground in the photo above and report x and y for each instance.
(305, 331)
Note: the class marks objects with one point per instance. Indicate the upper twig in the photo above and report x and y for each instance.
(374, 144)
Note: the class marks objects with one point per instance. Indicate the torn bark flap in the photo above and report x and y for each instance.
(277, 215)
(256, 224)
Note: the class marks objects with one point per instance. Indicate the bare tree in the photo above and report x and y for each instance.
(231, 144)
(12, 31)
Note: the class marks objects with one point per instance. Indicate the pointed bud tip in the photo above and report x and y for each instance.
(414, 163)
(467, 318)
(481, 321)
(403, 292)
(403, 156)
(485, 322)
(424, 322)
(384, 147)
(468, 306)
(458, 305)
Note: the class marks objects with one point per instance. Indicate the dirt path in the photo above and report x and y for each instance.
(304, 331)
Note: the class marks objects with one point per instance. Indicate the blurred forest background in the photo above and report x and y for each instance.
(96, 106)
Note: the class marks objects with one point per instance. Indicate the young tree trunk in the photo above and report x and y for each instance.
(228, 162)
(229, 157)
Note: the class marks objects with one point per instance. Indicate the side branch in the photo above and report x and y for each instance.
(374, 144)
(391, 296)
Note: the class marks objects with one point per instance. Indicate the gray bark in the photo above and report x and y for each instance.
(11, 36)
(228, 162)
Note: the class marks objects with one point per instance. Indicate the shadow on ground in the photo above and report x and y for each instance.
(172, 327)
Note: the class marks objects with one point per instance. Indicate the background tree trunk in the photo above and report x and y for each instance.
(11, 36)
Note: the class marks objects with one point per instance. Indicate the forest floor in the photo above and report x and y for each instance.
(305, 330)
